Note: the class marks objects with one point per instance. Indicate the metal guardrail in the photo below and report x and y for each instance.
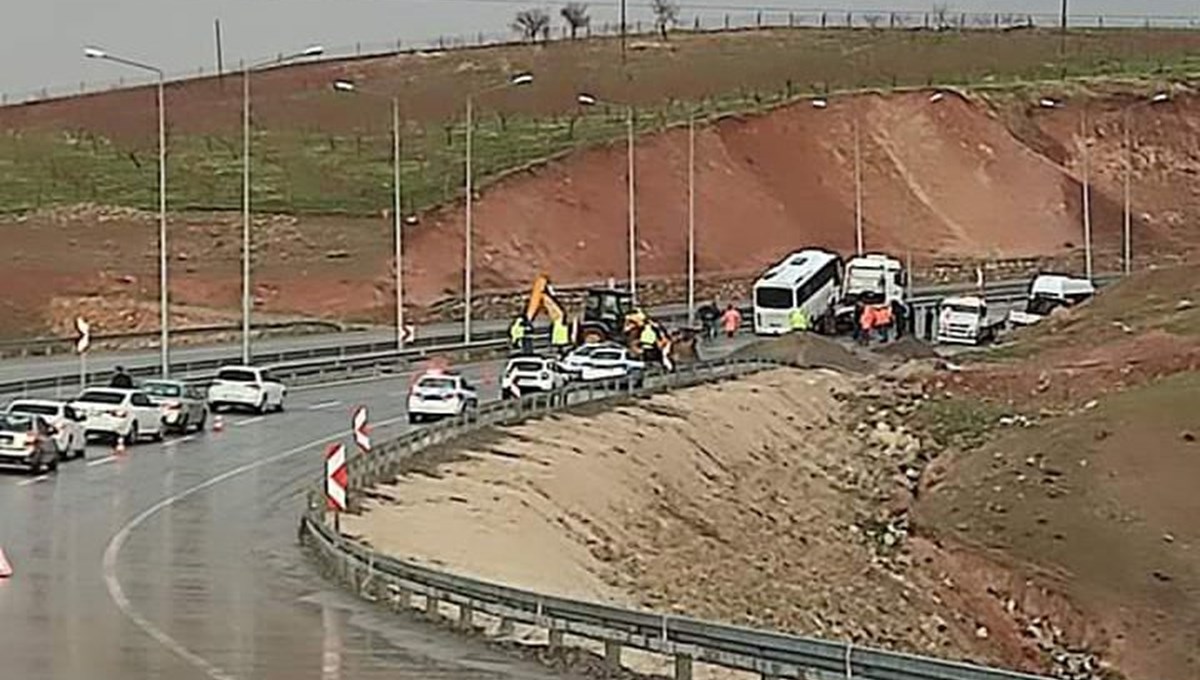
(337, 355)
(379, 577)
(66, 345)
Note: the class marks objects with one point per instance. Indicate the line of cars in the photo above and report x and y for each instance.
(440, 394)
(39, 433)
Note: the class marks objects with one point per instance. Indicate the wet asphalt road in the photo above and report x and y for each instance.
(180, 561)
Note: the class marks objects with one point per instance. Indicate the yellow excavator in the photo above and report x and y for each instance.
(608, 316)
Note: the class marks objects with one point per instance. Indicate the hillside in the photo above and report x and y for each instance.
(1070, 459)
(984, 174)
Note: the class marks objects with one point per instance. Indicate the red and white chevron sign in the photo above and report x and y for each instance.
(362, 431)
(336, 477)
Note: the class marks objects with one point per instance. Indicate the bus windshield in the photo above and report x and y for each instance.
(774, 298)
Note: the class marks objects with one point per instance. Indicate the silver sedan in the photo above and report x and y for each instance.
(182, 404)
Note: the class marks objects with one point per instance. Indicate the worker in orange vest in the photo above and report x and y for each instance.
(884, 321)
(866, 323)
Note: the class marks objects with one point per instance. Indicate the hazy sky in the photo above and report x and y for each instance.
(41, 41)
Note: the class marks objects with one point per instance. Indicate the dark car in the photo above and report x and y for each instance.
(27, 441)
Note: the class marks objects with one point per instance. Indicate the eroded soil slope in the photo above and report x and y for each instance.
(753, 501)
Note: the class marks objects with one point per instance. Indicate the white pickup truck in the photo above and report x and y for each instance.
(965, 320)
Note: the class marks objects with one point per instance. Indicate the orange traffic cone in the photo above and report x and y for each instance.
(218, 422)
(5, 567)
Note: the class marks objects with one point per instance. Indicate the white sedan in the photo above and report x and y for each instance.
(69, 434)
(527, 374)
(118, 414)
(246, 387)
(609, 363)
(440, 395)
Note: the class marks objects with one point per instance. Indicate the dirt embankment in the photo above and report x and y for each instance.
(756, 502)
(1072, 455)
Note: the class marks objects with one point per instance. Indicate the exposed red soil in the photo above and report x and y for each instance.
(944, 180)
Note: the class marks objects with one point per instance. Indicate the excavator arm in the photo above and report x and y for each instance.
(542, 297)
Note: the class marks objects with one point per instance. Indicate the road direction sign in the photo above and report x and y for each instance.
(336, 477)
(84, 339)
(361, 431)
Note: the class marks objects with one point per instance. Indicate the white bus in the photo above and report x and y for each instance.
(808, 280)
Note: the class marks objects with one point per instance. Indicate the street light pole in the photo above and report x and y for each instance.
(397, 222)
(1087, 197)
(245, 216)
(516, 80)
(1127, 125)
(468, 260)
(163, 296)
(397, 203)
(691, 258)
(632, 210)
(312, 51)
(858, 187)
(1127, 222)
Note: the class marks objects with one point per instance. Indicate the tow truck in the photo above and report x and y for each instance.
(871, 279)
(964, 320)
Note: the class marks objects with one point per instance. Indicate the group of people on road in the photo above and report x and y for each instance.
(886, 321)
(711, 317)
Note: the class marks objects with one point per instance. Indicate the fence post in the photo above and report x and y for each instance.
(824, 19)
(726, 21)
(758, 19)
(791, 19)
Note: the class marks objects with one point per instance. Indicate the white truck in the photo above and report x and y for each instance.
(1049, 292)
(965, 320)
(874, 279)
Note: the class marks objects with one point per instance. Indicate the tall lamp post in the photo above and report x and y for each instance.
(312, 51)
(691, 239)
(349, 86)
(586, 99)
(1126, 125)
(515, 80)
(821, 104)
(163, 320)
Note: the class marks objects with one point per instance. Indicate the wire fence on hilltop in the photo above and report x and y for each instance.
(712, 20)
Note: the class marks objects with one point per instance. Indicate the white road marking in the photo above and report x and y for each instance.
(109, 563)
(249, 421)
(35, 480)
(171, 443)
(324, 405)
(101, 461)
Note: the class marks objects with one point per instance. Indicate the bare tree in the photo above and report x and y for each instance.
(666, 15)
(941, 13)
(576, 16)
(531, 23)
(873, 20)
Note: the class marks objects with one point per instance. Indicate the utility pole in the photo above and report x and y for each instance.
(623, 30)
(220, 51)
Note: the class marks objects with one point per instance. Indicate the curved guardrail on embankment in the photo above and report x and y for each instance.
(378, 577)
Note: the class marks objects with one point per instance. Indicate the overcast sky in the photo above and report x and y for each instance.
(41, 41)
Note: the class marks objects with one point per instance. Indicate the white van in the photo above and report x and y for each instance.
(1049, 292)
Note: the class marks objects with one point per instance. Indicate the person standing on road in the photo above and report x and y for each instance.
(121, 379)
(798, 320)
(709, 315)
(884, 321)
(560, 337)
(648, 342)
(731, 321)
(866, 323)
(516, 334)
